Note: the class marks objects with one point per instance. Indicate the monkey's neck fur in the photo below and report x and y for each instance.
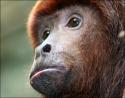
(110, 84)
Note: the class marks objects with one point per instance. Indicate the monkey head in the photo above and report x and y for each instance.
(76, 48)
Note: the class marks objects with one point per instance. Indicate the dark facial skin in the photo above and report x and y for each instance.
(75, 55)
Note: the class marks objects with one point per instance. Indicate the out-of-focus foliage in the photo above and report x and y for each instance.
(16, 52)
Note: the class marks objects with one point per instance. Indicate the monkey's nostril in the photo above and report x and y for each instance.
(47, 48)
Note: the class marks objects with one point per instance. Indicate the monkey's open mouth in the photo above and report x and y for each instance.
(48, 81)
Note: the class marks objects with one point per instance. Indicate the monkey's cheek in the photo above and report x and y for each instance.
(48, 82)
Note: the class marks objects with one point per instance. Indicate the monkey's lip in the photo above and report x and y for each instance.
(48, 79)
(44, 71)
(41, 70)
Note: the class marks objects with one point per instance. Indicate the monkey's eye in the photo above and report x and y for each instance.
(74, 22)
(45, 34)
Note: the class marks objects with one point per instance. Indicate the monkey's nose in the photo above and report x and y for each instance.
(41, 51)
(47, 48)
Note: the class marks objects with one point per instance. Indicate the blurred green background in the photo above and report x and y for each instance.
(16, 52)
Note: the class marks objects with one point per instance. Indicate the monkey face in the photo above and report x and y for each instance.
(66, 48)
(79, 48)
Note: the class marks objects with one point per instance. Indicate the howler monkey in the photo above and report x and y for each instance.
(79, 48)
